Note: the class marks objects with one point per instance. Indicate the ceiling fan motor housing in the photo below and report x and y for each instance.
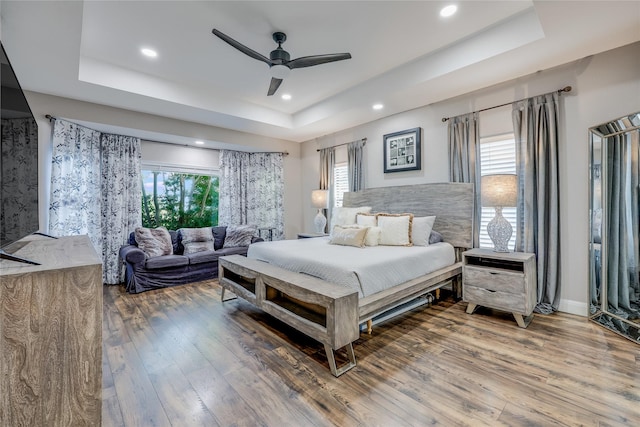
(279, 56)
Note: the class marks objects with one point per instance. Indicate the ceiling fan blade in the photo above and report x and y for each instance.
(308, 61)
(273, 87)
(242, 48)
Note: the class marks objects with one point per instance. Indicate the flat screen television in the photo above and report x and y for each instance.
(18, 162)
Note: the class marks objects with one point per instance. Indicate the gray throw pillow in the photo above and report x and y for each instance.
(219, 234)
(154, 241)
(435, 237)
(196, 239)
(239, 236)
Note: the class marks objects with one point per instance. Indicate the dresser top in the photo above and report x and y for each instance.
(490, 253)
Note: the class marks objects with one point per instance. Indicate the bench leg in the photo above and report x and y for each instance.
(222, 296)
(332, 360)
(369, 326)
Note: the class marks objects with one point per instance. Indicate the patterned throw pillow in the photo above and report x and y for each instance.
(196, 239)
(154, 241)
(350, 236)
(239, 236)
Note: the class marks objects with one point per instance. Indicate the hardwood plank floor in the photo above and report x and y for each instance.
(180, 357)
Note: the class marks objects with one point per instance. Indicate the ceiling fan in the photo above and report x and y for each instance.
(278, 61)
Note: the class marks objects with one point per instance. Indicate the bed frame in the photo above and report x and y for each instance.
(332, 314)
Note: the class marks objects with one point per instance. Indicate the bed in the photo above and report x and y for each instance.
(328, 295)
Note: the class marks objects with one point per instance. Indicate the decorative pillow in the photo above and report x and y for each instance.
(421, 230)
(435, 237)
(351, 236)
(373, 236)
(219, 233)
(366, 219)
(196, 239)
(239, 236)
(346, 216)
(395, 229)
(154, 241)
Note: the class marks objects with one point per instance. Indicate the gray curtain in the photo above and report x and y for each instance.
(535, 122)
(356, 168)
(95, 190)
(251, 190)
(464, 160)
(327, 164)
(622, 232)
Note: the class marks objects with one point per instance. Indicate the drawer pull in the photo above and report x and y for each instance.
(493, 272)
(492, 291)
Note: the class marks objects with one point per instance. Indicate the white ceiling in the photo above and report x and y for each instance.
(404, 54)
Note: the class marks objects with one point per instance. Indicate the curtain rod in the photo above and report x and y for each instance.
(339, 145)
(564, 89)
(284, 153)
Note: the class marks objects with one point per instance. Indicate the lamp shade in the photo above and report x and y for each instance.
(499, 190)
(319, 198)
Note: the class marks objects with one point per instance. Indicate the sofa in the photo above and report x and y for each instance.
(159, 258)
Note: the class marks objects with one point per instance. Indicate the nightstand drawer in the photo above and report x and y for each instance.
(495, 279)
(495, 299)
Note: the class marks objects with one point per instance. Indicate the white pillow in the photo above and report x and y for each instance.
(366, 220)
(346, 216)
(395, 229)
(373, 236)
(421, 230)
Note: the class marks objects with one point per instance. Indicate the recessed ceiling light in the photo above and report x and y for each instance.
(149, 52)
(286, 96)
(200, 142)
(377, 106)
(448, 10)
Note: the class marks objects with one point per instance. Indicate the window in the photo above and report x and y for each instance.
(497, 155)
(175, 199)
(340, 182)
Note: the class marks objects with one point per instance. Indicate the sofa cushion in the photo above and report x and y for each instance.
(154, 242)
(203, 256)
(167, 261)
(219, 234)
(239, 236)
(233, 251)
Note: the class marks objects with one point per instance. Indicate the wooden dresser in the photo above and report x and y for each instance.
(51, 334)
(504, 281)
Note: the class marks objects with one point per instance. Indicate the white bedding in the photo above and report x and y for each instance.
(367, 270)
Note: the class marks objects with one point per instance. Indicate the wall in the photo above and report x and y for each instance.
(137, 124)
(605, 86)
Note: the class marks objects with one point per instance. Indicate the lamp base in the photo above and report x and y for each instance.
(319, 222)
(500, 231)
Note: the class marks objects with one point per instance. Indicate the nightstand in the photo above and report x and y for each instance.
(310, 235)
(503, 281)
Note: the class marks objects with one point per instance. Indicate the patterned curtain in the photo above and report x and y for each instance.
(95, 190)
(251, 190)
(121, 198)
(464, 160)
(356, 168)
(19, 179)
(535, 123)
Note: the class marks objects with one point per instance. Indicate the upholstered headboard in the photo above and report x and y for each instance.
(450, 202)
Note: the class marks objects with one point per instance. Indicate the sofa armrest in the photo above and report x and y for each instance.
(132, 254)
(255, 239)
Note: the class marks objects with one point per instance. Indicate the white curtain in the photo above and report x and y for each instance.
(251, 190)
(464, 160)
(535, 122)
(95, 190)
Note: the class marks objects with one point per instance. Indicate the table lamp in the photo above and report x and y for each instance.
(499, 191)
(319, 201)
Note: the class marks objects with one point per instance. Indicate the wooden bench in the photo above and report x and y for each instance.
(324, 311)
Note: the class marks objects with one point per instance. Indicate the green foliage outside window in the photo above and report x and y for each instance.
(179, 200)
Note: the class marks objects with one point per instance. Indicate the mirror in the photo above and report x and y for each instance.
(614, 251)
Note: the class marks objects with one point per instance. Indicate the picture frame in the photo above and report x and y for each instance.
(402, 151)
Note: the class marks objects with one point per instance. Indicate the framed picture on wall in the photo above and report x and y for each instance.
(402, 151)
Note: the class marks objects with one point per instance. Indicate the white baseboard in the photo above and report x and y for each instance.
(573, 307)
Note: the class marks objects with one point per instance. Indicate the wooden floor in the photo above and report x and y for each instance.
(179, 357)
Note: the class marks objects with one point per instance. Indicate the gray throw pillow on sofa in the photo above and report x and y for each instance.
(239, 236)
(196, 239)
(219, 233)
(154, 241)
